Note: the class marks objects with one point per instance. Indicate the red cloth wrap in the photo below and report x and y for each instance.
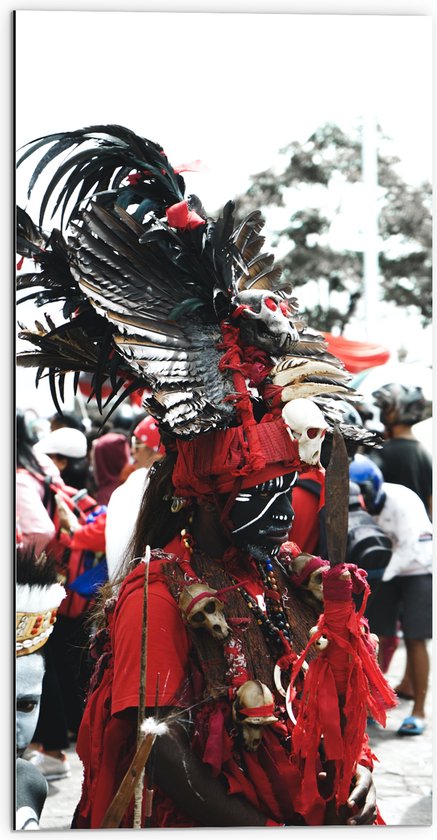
(343, 686)
(250, 452)
(212, 462)
(180, 217)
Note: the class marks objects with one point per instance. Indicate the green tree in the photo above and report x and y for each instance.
(322, 166)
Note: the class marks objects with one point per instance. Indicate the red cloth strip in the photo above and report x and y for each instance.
(258, 711)
(311, 566)
(218, 595)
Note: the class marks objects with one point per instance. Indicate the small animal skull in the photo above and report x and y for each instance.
(314, 583)
(203, 611)
(266, 320)
(306, 424)
(322, 642)
(253, 696)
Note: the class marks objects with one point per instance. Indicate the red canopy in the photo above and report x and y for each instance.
(357, 355)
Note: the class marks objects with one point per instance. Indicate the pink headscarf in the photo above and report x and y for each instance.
(111, 453)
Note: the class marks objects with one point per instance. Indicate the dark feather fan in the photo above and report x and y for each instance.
(147, 281)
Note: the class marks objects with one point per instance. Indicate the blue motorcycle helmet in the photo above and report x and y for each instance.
(364, 472)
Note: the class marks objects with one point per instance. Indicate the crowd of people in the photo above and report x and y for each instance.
(237, 563)
(62, 479)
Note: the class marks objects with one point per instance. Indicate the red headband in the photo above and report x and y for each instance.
(311, 566)
(218, 595)
(258, 711)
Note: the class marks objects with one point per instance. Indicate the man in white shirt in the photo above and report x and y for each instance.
(405, 593)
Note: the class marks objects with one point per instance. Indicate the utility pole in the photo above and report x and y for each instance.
(370, 222)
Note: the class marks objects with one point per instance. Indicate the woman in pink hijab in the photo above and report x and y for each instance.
(111, 454)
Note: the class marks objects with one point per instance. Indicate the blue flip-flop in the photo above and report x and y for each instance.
(411, 726)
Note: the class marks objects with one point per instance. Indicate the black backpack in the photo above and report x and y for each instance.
(368, 546)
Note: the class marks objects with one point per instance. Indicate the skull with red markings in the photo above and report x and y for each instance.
(266, 319)
(306, 424)
(252, 710)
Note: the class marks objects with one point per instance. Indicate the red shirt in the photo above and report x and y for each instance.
(306, 505)
(167, 648)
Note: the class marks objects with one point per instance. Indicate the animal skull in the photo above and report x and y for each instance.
(204, 612)
(266, 320)
(314, 583)
(322, 642)
(252, 696)
(306, 424)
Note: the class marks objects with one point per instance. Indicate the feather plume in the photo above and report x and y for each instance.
(143, 299)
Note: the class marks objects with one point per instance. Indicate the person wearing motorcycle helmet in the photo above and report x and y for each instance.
(403, 459)
(364, 472)
(405, 593)
(401, 404)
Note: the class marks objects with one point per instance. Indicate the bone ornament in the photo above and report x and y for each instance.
(277, 671)
(202, 610)
(313, 584)
(267, 316)
(306, 424)
(322, 642)
(252, 710)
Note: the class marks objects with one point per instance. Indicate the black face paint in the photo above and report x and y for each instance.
(262, 515)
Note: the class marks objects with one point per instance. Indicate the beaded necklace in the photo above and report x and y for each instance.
(273, 622)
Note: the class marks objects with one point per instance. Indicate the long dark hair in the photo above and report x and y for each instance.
(156, 525)
(25, 456)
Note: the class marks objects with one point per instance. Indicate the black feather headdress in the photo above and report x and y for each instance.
(157, 296)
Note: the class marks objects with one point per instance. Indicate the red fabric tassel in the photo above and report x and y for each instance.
(213, 753)
(343, 685)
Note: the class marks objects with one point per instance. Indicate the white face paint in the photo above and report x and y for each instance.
(29, 676)
(262, 515)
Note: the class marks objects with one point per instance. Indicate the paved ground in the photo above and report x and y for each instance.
(403, 777)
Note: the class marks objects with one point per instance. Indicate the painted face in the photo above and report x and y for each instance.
(262, 515)
(29, 675)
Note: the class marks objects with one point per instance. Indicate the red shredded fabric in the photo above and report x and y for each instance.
(343, 686)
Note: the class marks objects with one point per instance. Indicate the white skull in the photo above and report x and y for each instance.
(252, 695)
(306, 424)
(206, 613)
(271, 313)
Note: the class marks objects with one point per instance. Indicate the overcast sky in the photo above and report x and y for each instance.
(228, 89)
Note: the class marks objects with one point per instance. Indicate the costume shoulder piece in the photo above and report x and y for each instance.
(162, 299)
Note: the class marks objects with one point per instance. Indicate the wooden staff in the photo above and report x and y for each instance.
(133, 780)
(142, 694)
(151, 768)
(133, 776)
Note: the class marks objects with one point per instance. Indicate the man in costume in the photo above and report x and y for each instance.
(38, 596)
(204, 634)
